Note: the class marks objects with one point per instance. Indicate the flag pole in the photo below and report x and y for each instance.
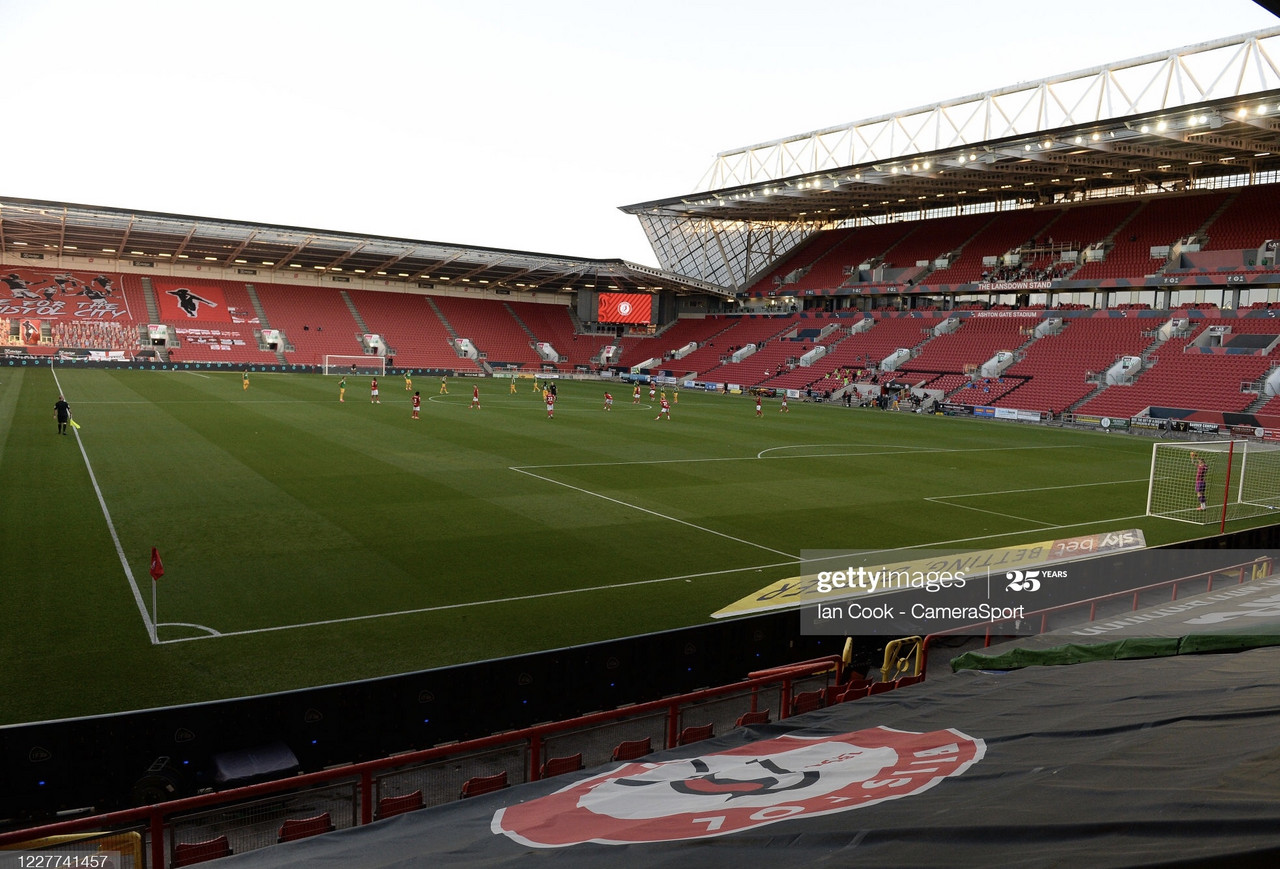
(157, 571)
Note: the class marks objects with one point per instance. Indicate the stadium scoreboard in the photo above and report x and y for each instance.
(624, 308)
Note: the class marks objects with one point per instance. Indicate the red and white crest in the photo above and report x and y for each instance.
(741, 788)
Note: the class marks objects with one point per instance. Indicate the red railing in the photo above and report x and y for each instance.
(1240, 572)
(157, 821)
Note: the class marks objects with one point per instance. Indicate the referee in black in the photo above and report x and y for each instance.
(63, 411)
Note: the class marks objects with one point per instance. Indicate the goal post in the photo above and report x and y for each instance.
(1211, 482)
(373, 365)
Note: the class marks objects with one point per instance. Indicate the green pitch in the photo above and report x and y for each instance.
(307, 541)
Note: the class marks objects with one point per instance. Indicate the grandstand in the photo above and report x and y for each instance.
(1117, 269)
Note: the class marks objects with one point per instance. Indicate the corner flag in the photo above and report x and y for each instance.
(157, 566)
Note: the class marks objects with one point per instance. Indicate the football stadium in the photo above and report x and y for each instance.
(916, 510)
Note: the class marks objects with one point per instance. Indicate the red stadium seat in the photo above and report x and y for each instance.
(759, 717)
(632, 749)
(391, 806)
(695, 733)
(483, 784)
(301, 828)
(560, 765)
(191, 853)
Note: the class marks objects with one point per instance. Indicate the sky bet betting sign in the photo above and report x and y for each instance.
(859, 594)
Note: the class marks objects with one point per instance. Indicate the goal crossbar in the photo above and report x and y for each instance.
(1209, 482)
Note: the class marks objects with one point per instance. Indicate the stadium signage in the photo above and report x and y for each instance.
(807, 590)
(1013, 286)
(745, 787)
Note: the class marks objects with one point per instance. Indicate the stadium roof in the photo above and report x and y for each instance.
(1195, 117)
(147, 239)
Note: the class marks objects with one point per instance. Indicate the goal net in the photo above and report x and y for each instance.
(375, 365)
(1213, 481)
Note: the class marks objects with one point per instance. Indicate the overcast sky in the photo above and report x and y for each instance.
(502, 123)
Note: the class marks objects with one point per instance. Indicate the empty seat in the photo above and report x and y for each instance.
(391, 806)
(854, 692)
(483, 784)
(301, 828)
(190, 853)
(560, 765)
(806, 701)
(632, 749)
(758, 717)
(695, 733)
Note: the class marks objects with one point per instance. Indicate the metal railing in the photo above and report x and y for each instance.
(250, 816)
(1240, 573)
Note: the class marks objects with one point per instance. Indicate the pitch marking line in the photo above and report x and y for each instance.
(111, 526)
(479, 603)
(941, 500)
(617, 585)
(654, 513)
(946, 499)
(212, 633)
(889, 450)
(760, 455)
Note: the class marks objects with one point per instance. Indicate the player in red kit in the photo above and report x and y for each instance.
(608, 401)
(475, 397)
(759, 409)
(664, 410)
(417, 404)
(784, 408)
(373, 392)
(551, 405)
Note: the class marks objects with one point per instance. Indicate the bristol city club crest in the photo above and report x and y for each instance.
(624, 308)
(748, 786)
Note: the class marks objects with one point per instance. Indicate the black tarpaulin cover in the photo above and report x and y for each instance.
(1163, 761)
(1231, 618)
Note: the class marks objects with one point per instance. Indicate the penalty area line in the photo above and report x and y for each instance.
(481, 603)
(942, 500)
(946, 499)
(653, 513)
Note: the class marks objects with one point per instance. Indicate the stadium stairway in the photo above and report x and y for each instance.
(263, 322)
(149, 295)
(448, 327)
(521, 323)
(355, 312)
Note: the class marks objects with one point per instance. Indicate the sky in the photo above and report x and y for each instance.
(520, 124)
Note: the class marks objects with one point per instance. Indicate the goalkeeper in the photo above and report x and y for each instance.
(1202, 479)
